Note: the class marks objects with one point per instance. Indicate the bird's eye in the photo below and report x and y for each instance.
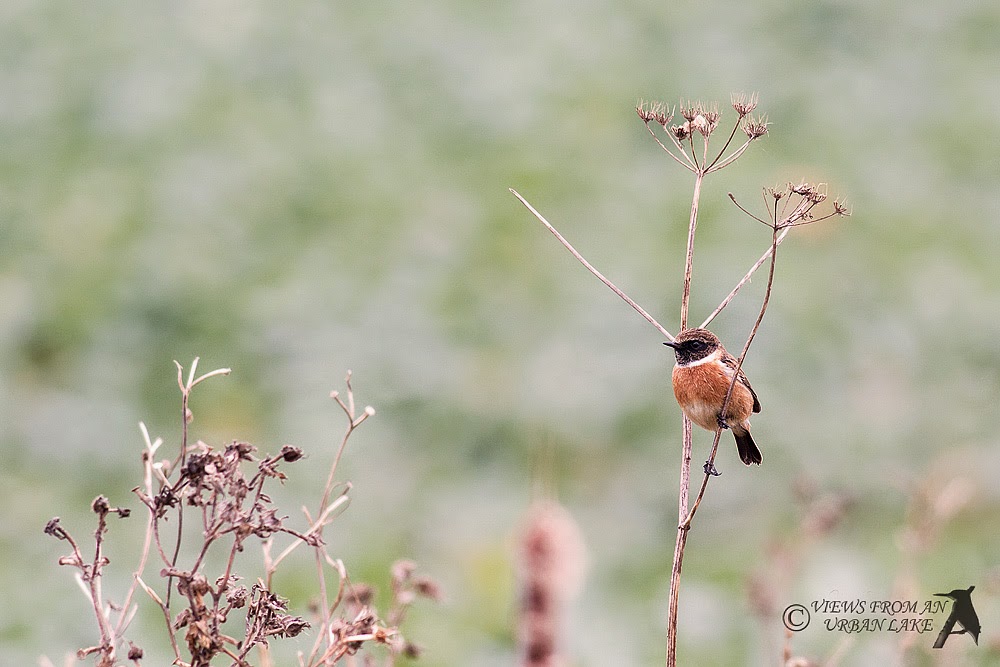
(697, 345)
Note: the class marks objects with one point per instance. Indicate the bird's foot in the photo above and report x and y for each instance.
(722, 423)
(709, 469)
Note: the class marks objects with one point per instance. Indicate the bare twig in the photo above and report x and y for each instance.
(743, 281)
(649, 318)
(686, 444)
(732, 383)
(808, 198)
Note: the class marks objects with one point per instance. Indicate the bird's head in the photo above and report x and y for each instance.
(693, 345)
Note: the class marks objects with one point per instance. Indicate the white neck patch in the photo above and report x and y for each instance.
(715, 356)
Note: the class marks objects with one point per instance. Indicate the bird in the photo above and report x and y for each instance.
(701, 379)
(962, 613)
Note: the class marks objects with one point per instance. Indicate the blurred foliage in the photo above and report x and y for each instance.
(295, 189)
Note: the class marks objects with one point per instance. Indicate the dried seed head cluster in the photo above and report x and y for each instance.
(755, 128)
(654, 112)
(703, 119)
(792, 205)
(744, 104)
(226, 490)
(700, 118)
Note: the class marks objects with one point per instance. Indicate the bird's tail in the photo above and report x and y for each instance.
(749, 453)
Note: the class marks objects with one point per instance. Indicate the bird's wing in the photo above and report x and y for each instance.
(729, 361)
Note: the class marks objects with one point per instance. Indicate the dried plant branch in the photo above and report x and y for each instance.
(649, 318)
(709, 465)
(808, 198)
(745, 279)
(704, 120)
(227, 489)
(90, 576)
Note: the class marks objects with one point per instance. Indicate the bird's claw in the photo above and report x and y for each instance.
(709, 469)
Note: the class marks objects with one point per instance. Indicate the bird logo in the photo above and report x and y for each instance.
(963, 614)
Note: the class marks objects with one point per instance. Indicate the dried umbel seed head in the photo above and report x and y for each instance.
(681, 132)
(777, 194)
(653, 112)
(744, 104)
(813, 193)
(803, 189)
(755, 128)
(702, 124)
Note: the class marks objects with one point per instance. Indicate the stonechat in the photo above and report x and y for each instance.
(701, 379)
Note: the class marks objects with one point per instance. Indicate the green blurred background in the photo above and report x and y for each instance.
(296, 189)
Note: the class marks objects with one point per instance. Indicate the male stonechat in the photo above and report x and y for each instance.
(701, 379)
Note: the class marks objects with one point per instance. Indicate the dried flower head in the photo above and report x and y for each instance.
(804, 189)
(681, 132)
(755, 128)
(361, 594)
(702, 124)
(744, 104)
(134, 652)
(402, 570)
(100, 505)
(654, 112)
(54, 529)
(291, 454)
(428, 588)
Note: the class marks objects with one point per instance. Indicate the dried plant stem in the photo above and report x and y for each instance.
(147, 480)
(96, 594)
(686, 524)
(614, 288)
(746, 278)
(689, 258)
(686, 442)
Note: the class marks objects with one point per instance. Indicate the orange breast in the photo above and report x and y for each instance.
(700, 391)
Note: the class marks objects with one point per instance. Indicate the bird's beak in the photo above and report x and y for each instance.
(671, 343)
(943, 595)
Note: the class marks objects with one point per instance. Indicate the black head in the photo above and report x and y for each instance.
(694, 344)
(958, 593)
